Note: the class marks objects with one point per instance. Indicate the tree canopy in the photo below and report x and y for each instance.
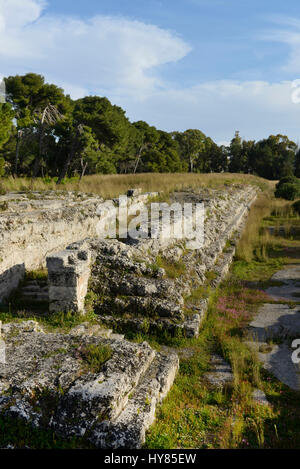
(43, 132)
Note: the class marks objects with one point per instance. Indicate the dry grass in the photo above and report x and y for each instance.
(255, 242)
(109, 186)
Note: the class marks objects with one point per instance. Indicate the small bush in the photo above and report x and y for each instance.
(296, 206)
(3, 191)
(287, 180)
(288, 190)
(95, 356)
(3, 206)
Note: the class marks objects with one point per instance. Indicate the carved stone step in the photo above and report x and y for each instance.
(112, 404)
(35, 294)
(129, 428)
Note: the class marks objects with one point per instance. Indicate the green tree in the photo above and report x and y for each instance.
(146, 143)
(164, 156)
(6, 124)
(236, 156)
(37, 105)
(108, 123)
(274, 157)
(191, 146)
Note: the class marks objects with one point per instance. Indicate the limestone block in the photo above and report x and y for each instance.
(68, 276)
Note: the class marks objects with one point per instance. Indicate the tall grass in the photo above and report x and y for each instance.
(251, 235)
(109, 186)
(256, 242)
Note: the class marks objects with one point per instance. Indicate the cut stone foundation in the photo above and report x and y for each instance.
(38, 224)
(68, 276)
(133, 295)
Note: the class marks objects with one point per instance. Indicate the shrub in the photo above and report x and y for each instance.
(3, 191)
(4, 206)
(296, 206)
(288, 190)
(287, 179)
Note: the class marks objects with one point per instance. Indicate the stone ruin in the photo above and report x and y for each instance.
(146, 285)
(129, 288)
(45, 383)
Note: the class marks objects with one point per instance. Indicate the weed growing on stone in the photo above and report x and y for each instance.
(95, 356)
(196, 415)
(173, 269)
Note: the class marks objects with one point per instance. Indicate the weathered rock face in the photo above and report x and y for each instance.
(36, 224)
(129, 286)
(48, 381)
(90, 382)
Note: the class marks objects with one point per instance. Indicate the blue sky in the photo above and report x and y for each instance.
(217, 65)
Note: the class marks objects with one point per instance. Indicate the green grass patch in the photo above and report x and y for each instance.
(255, 270)
(173, 269)
(60, 322)
(95, 356)
(39, 275)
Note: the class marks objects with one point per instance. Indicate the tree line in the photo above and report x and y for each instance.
(45, 133)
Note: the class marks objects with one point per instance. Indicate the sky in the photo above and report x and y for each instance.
(215, 65)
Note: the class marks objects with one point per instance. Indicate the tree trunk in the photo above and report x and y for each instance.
(83, 169)
(38, 158)
(136, 164)
(17, 153)
(68, 160)
(191, 168)
(138, 159)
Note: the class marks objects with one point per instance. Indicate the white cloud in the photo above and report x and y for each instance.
(120, 58)
(100, 54)
(255, 108)
(287, 32)
(17, 13)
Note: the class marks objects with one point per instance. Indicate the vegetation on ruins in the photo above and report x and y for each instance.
(195, 414)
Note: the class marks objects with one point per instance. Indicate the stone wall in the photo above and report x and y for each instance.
(34, 225)
(129, 289)
(129, 283)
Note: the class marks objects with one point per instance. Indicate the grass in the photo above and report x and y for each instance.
(40, 275)
(195, 415)
(199, 293)
(256, 243)
(256, 270)
(173, 269)
(60, 322)
(109, 186)
(95, 356)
